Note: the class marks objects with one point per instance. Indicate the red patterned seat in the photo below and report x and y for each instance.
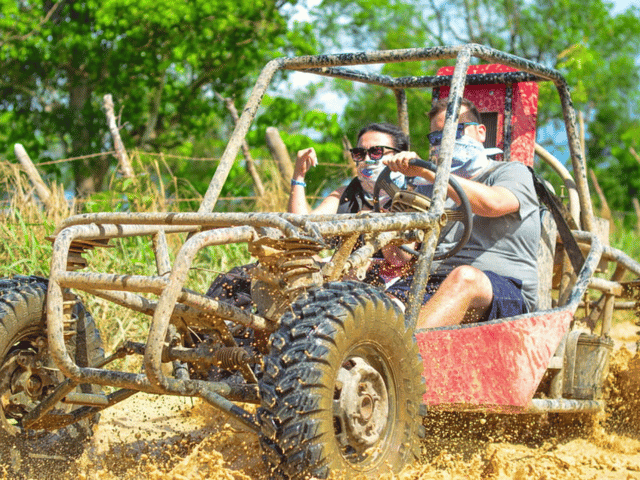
(509, 111)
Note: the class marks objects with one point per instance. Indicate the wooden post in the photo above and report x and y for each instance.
(121, 153)
(582, 135)
(606, 211)
(636, 207)
(32, 172)
(279, 153)
(251, 167)
(346, 147)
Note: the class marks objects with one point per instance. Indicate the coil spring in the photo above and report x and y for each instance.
(231, 358)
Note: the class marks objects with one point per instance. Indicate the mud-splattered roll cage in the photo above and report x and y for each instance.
(179, 308)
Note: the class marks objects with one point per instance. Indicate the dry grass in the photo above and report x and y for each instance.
(25, 223)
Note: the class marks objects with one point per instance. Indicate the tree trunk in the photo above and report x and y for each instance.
(280, 154)
(150, 134)
(121, 153)
(89, 174)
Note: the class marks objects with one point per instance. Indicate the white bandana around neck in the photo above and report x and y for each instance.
(368, 173)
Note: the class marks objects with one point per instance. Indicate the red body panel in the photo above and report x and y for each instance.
(489, 366)
(491, 98)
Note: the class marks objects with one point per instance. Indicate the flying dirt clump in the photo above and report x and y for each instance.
(623, 393)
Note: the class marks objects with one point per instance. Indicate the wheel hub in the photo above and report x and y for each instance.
(23, 380)
(362, 404)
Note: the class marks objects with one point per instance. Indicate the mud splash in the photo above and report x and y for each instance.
(175, 438)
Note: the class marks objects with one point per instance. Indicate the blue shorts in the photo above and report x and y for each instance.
(507, 294)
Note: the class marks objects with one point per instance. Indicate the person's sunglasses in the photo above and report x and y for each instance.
(375, 153)
(435, 138)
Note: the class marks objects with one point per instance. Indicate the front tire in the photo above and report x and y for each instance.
(27, 375)
(342, 386)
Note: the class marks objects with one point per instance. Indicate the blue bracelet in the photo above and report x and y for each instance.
(296, 182)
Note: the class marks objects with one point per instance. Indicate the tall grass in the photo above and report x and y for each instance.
(626, 240)
(26, 228)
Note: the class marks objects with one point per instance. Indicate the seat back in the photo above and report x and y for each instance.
(509, 112)
(546, 256)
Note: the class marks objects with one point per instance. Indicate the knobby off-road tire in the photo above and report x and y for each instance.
(342, 386)
(27, 374)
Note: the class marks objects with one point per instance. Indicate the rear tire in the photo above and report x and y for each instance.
(342, 386)
(27, 375)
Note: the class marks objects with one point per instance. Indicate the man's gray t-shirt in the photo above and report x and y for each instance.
(506, 245)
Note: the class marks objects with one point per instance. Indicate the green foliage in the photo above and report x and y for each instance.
(161, 60)
(301, 128)
(617, 160)
(594, 49)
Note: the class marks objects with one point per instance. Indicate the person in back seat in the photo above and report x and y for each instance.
(495, 274)
(375, 142)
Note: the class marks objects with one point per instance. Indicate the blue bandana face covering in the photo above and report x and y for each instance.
(469, 157)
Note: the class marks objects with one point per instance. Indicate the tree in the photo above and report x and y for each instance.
(161, 60)
(595, 50)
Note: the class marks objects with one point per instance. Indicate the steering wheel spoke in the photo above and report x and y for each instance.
(461, 214)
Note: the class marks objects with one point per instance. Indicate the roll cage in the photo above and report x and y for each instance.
(296, 239)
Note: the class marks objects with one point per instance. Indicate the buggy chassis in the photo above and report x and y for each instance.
(526, 351)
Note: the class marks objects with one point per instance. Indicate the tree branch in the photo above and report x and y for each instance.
(43, 20)
(121, 153)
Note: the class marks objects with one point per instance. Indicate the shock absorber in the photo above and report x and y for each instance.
(285, 267)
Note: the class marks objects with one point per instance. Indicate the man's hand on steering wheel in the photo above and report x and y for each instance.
(402, 162)
(409, 164)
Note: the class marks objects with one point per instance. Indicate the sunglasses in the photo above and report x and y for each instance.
(375, 153)
(435, 138)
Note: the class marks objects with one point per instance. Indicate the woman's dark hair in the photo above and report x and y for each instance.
(400, 139)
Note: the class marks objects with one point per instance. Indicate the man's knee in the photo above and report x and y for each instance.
(466, 276)
(471, 283)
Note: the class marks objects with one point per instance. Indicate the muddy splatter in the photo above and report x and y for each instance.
(176, 438)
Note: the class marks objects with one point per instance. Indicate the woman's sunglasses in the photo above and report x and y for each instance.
(435, 138)
(375, 153)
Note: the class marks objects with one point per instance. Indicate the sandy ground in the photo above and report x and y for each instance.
(175, 438)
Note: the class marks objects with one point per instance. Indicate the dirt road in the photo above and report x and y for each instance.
(174, 438)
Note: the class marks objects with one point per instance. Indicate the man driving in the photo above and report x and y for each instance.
(495, 274)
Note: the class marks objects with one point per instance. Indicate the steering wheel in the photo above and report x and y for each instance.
(418, 202)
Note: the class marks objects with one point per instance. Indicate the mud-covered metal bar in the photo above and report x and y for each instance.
(162, 315)
(403, 110)
(174, 222)
(367, 58)
(567, 179)
(138, 283)
(440, 187)
(161, 250)
(577, 158)
(588, 268)
(237, 137)
(420, 82)
(563, 405)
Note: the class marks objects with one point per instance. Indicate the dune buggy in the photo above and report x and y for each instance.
(337, 373)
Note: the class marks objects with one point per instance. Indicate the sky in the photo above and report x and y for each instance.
(622, 5)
